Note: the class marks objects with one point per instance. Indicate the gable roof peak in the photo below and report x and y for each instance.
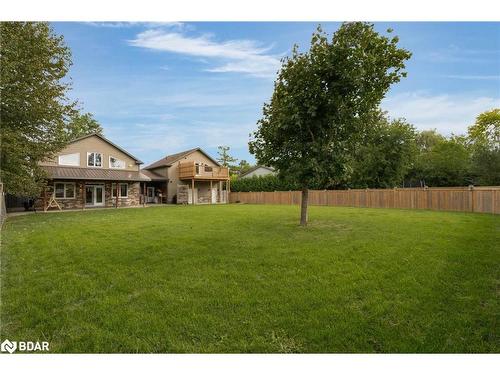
(168, 160)
(107, 141)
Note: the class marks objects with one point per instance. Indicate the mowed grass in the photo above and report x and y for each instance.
(244, 278)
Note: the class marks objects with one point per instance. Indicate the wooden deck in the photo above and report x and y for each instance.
(188, 170)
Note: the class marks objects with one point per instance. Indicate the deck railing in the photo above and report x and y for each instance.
(189, 169)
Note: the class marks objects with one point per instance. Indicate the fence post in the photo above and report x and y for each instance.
(471, 197)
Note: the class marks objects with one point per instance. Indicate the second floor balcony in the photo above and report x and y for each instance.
(192, 170)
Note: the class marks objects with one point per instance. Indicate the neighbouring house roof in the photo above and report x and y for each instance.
(168, 160)
(257, 167)
(137, 161)
(79, 173)
(153, 176)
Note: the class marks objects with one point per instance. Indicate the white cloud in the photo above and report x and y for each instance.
(475, 77)
(241, 56)
(446, 113)
(204, 99)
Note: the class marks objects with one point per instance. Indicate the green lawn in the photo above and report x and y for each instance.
(243, 278)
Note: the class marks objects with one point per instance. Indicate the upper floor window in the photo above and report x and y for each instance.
(70, 159)
(116, 163)
(94, 159)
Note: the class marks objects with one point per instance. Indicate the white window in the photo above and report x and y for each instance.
(116, 163)
(94, 159)
(122, 190)
(70, 159)
(64, 190)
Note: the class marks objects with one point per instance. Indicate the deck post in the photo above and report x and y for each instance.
(192, 191)
(211, 192)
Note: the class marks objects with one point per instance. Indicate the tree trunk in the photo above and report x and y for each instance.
(303, 207)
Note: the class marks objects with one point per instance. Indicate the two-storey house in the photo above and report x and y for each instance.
(91, 171)
(188, 177)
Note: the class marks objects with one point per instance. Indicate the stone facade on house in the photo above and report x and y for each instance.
(132, 199)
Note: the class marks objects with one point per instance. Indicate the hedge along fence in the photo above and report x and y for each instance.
(467, 199)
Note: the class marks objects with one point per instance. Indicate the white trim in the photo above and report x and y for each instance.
(94, 166)
(114, 157)
(64, 189)
(113, 190)
(94, 195)
(151, 198)
(77, 164)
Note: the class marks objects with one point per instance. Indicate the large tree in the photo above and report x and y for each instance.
(82, 124)
(224, 158)
(446, 163)
(321, 103)
(484, 141)
(384, 155)
(34, 106)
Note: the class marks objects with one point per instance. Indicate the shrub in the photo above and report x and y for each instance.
(261, 183)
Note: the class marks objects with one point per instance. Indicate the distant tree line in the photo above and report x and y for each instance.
(392, 153)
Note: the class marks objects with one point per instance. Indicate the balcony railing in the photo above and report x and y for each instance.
(190, 170)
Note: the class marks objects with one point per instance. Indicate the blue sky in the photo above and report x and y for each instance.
(162, 88)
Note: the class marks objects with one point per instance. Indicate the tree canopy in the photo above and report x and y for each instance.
(82, 124)
(33, 100)
(223, 156)
(484, 143)
(322, 101)
(37, 116)
(384, 155)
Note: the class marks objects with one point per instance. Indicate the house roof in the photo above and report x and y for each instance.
(152, 175)
(168, 160)
(79, 173)
(255, 168)
(137, 161)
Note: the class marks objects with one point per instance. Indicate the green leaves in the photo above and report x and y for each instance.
(224, 158)
(262, 183)
(384, 155)
(33, 101)
(486, 130)
(322, 100)
(82, 124)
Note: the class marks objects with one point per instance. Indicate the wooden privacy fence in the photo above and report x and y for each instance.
(467, 199)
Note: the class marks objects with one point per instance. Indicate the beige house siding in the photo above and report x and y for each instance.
(95, 144)
(162, 171)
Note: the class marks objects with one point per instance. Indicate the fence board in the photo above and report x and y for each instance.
(464, 199)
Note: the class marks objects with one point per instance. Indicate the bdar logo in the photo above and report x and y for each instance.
(8, 346)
